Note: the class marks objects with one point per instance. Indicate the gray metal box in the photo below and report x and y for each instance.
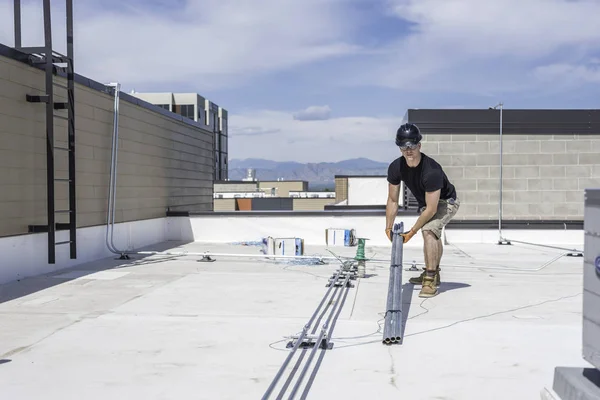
(591, 278)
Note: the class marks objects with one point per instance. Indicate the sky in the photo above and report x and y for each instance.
(329, 80)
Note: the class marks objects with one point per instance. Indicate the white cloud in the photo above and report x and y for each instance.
(283, 138)
(481, 47)
(208, 43)
(313, 113)
(511, 27)
(569, 73)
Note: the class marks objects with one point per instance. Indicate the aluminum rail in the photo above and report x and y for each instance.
(324, 330)
(544, 245)
(323, 350)
(329, 334)
(331, 303)
(414, 263)
(392, 330)
(208, 253)
(300, 339)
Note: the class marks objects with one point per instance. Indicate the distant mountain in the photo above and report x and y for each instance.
(259, 163)
(319, 175)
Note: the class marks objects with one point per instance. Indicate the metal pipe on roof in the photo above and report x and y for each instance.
(491, 267)
(331, 302)
(317, 344)
(323, 350)
(208, 253)
(307, 365)
(196, 254)
(285, 364)
(500, 240)
(387, 327)
(397, 297)
(112, 186)
(339, 280)
(389, 306)
(396, 317)
(545, 245)
(393, 317)
(315, 327)
(312, 318)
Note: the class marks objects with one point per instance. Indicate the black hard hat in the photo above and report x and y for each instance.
(408, 133)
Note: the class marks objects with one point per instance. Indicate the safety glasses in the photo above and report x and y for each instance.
(408, 145)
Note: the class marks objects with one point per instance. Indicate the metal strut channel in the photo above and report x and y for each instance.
(310, 343)
(392, 329)
(49, 58)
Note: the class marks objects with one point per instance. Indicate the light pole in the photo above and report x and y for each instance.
(500, 239)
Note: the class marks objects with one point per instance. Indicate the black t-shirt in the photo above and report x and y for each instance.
(428, 176)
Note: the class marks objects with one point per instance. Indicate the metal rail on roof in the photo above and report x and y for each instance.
(340, 283)
(392, 329)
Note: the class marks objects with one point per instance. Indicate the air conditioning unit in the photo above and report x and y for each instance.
(591, 278)
(340, 237)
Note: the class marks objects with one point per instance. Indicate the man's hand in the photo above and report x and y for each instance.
(408, 235)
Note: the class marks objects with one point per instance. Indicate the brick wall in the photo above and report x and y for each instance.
(544, 176)
(341, 189)
(163, 162)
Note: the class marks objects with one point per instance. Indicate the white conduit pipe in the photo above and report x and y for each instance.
(112, 187)
(545, 245)
(498, 268)
(208, 253)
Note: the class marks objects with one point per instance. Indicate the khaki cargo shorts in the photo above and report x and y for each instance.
(447, 209)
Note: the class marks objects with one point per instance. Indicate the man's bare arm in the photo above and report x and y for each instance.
(391, 208)
(431, 204)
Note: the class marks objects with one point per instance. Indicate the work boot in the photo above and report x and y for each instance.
(429, 288)
(417, 280)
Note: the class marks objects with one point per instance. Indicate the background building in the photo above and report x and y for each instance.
(203, 111)
(250, 194)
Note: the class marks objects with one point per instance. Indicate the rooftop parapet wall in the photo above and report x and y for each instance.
(164, 161)
(240, 226)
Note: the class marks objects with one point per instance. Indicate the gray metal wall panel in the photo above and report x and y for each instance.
(543, 122)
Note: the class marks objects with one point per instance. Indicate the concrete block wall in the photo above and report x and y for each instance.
(224, 205)
(544, 176)
(341, 189)
(163, 162)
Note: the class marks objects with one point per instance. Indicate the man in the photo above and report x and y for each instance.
(436, 198)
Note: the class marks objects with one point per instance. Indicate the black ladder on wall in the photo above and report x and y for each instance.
(55, 110)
